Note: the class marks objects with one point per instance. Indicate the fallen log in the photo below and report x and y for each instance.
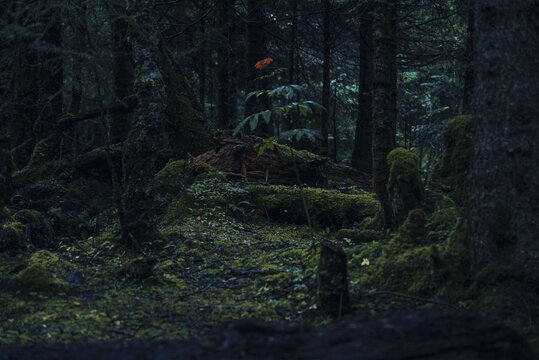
(241, 158)
(402, 335)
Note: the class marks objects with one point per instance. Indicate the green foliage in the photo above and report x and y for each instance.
(285, 95)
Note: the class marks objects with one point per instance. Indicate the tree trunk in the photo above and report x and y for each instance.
(467, 98)
(504, 201)
(362, 154)
(384, 116)
(333, 280)
(324, 126)
(256, 51)
(123, 77)
(145, 139)
(226, 106)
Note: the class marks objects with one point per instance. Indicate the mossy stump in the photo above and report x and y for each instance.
(333, 296)
(404, 185)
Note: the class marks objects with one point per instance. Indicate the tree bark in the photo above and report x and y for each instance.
(504, 201)
(384, 116)
(362, 153)
(256, 51)
(467, 99)
(123, 77)
(324, 126)
(226, 106)
(144, 143)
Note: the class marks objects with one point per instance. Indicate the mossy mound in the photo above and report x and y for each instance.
(36, 278)
(12, 236)
(176, 175)
(41, 275)
(408, 264)
(404, 184)
(327, 208)
(451, 171)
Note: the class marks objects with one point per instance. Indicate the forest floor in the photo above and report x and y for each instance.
(232, 251)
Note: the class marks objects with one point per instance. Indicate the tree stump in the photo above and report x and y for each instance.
(333, 296)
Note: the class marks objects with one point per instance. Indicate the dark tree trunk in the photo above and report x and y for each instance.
(123, 77)
(384, 116)
(256, 51)
(467, 99)
(292, 120)
(333, 280)
(51, 78)
(226, 106)
(504, 201)
(326, 67)
(144, 142)
(362, 154)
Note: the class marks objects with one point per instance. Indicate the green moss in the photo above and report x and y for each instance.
(412, 231)
(358, 236)
(451, 171)
(443, 219)
(403, 166)
(404, 184)
(37, 278)
(326, 207)
(408, 265)
(12, 236)
(45, 259)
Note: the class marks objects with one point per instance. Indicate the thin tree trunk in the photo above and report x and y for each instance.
(324, 126)
(123, 77)
(362, 153)
(144, 142)
(226, 106)
(256, 51)
(384, 116)
(467, 98)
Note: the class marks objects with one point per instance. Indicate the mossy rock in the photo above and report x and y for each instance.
(46, 259)
(12, 236)
(327, 208)
(451, 171)
(435, 269)
(412, 232)
(404, 185)
(176, 175)
(42, 274)
(37, 278)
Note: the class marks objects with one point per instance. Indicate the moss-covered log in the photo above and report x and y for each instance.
(329, 208)
(241, 159)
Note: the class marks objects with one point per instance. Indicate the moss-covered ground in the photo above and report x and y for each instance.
(231, 251)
